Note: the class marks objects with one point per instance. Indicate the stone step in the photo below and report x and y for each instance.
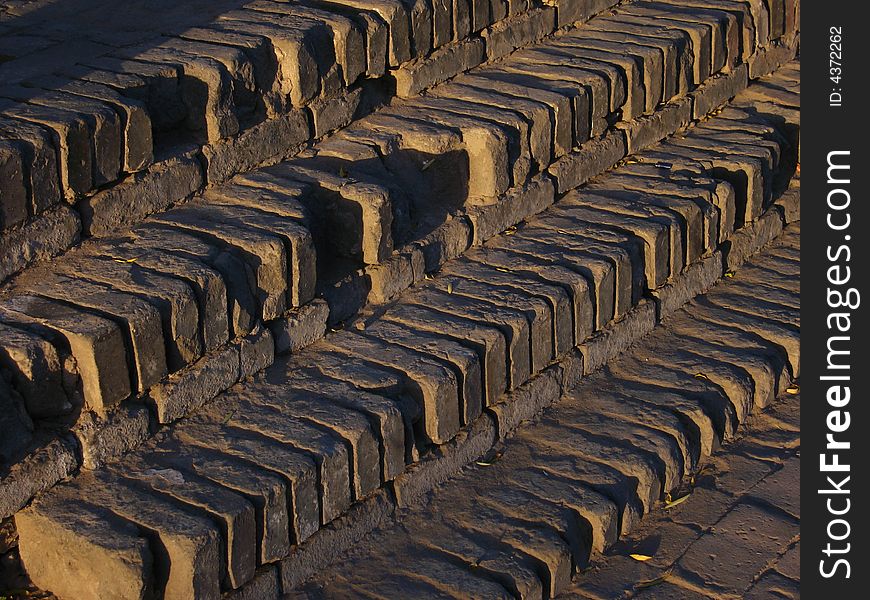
(242, 81)
(321, 434)
(150, 326)
(230, 86)
(524, 520)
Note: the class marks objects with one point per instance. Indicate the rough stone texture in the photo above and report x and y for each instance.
(474, 327)
(519, 500)
(144, 193)
(191, 388)
(300, 328)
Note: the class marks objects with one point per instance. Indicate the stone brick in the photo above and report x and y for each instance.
(512, 323)
(776, 334)
(75, 548)
(190, 562)
(192, 387)
(301, 259)
(556, 296)
(628, 462)
(705, 29)
(537, 311)
(661, 56)
(697, 35)
(605, 87)
(526, 401)
(231, 510)
(653, 231)
(627, 65)
(647, 130)
(718, 90)
(594, 508)
(726, 24)
(700, 392)
(698, 234)
(487, 341)
(367, 233)
(251, 450)
(36, 369)
(263, 252)
(348, 39)
(96, 343)
(742, 542)
(413, 78)
(207, 284)
(174, 300)
(15, 204)
(40, 163)
(241, 302)
(598, 272)
(489, 218)
(778, 489)
(103, 125)
(686, 73)
(524, 149)
(329, 453)
(263, 143)
(545, 547)
(716, 199)
(560, 107)
(639, 437)
(575, 169)
(516, 571)
(465, 361)
(324, 423)
(205, 86)
(735, 381)
(531, 268)
(147, 192)
(73, 144)
(518, 31)
(137, 143)
(384, 413)
(301, 43)
(266, 490)
(430, 382)
(142, 325)
(298, 329)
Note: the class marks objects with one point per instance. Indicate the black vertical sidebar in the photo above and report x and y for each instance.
(835, 268)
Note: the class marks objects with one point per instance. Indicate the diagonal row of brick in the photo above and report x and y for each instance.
(121, 314)
(246, 479)
(68, 129)
(575, 480)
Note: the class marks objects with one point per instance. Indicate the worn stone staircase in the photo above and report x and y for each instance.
(274, 269)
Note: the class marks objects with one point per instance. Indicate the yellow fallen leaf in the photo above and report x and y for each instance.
(502, 269)
(449, 288)
(126, 260)
(794, 389)
(640, 557)
(673, 503)
(729, 274)
(701, 376)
